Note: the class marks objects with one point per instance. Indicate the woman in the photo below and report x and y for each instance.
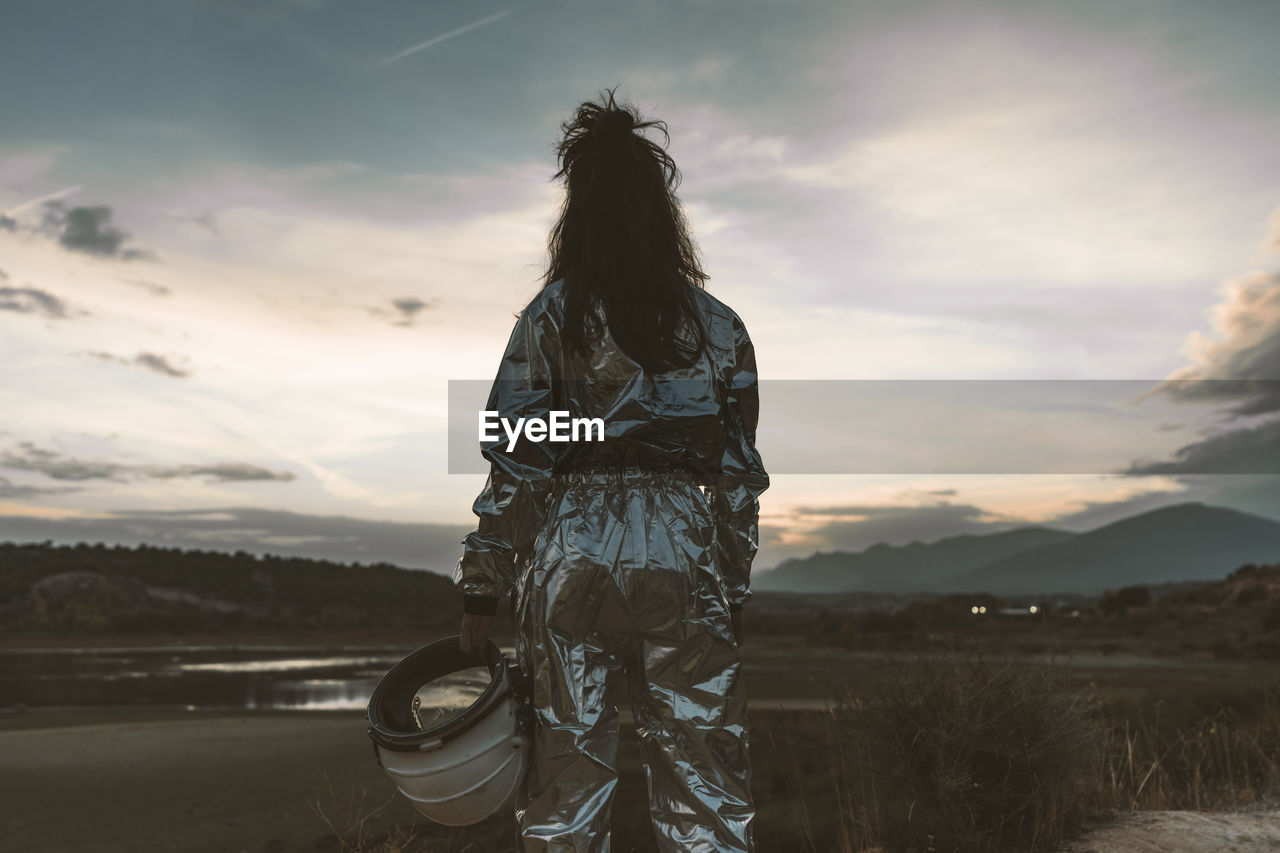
(619, 564)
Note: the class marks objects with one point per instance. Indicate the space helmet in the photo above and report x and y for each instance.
(451, 730)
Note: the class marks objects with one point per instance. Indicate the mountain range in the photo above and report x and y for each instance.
(1188, 541)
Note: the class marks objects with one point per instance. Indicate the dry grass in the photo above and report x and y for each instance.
(1208, 749)
(968, 753)
(353, 830)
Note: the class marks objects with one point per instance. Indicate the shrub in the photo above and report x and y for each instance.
(959, 755)
(1118, 601)
(1251, 593)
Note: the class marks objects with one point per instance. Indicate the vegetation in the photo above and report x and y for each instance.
(96, 589)
(959, 753)
(967, 756)
(953, 749)
(1237, 617)
(964, 754)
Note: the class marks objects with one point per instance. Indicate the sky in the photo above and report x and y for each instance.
(245, 246)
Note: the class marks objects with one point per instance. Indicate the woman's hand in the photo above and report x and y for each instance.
(475, 632)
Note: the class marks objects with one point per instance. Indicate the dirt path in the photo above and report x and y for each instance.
(1256, 831)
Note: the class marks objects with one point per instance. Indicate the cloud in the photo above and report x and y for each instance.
(1240, 365)
(332, 537)
(60, 467)
(10, 489)
(30, 300)
(1253, 450)
(223, 472)
(1243, 363)
(157, 289)
(8, 223)
(89, 230)
(404, 311)
(149, 360)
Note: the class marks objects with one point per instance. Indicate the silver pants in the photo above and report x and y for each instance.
(622, 583)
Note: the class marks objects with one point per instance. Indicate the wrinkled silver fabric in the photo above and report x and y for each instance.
(623, 558)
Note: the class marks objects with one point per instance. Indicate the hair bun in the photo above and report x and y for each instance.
(613, 125)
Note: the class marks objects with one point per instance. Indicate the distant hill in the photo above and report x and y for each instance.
(99, 589)
(917, 567)
(1183, 542)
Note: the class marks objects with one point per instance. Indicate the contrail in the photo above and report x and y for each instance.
(18, 208)
(459, 31)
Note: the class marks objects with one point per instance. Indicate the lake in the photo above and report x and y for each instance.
(195, 677)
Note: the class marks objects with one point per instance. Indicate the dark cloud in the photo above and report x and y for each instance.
(223, 472)
(259, 531)
(59, 467)
(148, 360)
(32, 300)
(1253, 450)
(403, 311)
(407, 309)
(8, 223)
(159, 364)
(89, 230)
(32, 458)
(10, 489)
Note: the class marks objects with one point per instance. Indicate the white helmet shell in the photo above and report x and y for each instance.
(463, 769)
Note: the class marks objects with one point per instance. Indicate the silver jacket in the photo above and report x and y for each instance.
(625, 557)
(700, 420)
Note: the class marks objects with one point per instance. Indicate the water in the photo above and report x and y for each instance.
(217, 677)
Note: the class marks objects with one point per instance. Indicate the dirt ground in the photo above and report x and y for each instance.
(130, 781)
(1255, 831)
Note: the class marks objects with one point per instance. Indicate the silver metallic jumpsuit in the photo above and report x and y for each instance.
(622, 566)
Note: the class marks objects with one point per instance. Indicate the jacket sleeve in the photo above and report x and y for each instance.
(735, 497)
(512, 506)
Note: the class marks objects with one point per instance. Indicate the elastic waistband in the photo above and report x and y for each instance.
(632, 476)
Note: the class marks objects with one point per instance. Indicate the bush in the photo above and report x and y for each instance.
(959, 755)
(1251, 593)
(1118, 601)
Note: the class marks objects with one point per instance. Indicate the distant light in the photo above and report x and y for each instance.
(982, 609)
(1034, 609)
(973, 609)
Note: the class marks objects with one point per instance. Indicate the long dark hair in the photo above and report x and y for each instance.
(621, 242)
